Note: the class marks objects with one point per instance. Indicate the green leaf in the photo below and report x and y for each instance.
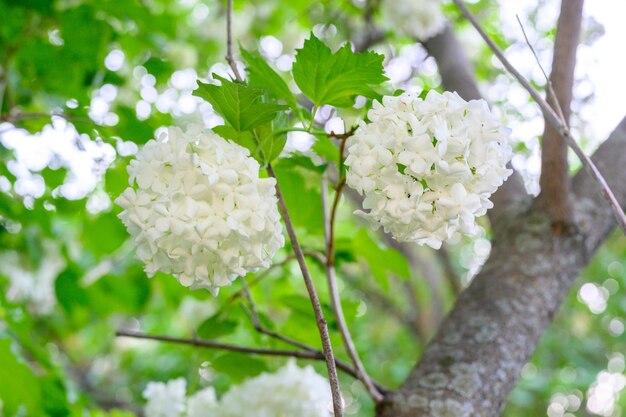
(335, 78)
(261, 142)
(381, 261)
(72, 297)
(238, 366)
(262, 76)
(245, 139)
(103, 243)
(19, 388)
(216, 326)
(240, 105)
(54, 397)
(269, 146)
(325, 148)
(303, 201)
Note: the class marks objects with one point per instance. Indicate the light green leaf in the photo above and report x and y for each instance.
(325, 148)
(262, 144)
(240, 105)
(262, 76)
(19, 388)
(245, 139)
(269, 146)
(335, 78)
(381, 261)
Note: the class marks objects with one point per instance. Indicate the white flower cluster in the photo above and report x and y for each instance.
(428, 167)
(166, 399)
(30, 284)
(422, 19)
(289, 392)
(200, 210)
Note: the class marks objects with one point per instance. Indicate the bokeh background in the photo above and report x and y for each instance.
(84, 83)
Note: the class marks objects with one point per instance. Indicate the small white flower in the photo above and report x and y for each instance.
(428, 167)
(203, 404)
(422, 19)
(290, 392)
(165, 399)
(197, 209)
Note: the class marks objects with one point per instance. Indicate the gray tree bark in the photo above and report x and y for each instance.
(475, 359)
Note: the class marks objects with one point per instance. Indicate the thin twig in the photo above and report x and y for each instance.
(254, 318)
(18, 117)
(320, 257)
(317, 307)
(329, 223)
(552, 118)
(549, 85)
(383, 303)
(229, 41)
(300, 354)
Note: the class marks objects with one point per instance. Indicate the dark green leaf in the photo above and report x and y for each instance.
(54, 397)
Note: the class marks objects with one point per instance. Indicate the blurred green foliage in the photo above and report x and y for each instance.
(67, 361)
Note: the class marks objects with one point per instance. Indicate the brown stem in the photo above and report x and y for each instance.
(300, 354)
(378, 299)
(315, 302)
(258, 278)
(555, 197)
(254, 318)
(229, 41)
(331, 279)
(552, 118)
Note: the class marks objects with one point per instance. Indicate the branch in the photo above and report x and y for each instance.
(254, 318)
(329, 267)
(229, 40)
(431, 315)
(318, 256)
(380, 301)
(552, 118)
(555, 195)
(457, 73)
(17, 117)
(317, 308)
(371, 35)
(300, 354)
(611, 158)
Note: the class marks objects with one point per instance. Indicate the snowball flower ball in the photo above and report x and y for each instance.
(428, 167)
(202, 404)
(290, 392)
(197, 209)
(165, 399)
(422, 19)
